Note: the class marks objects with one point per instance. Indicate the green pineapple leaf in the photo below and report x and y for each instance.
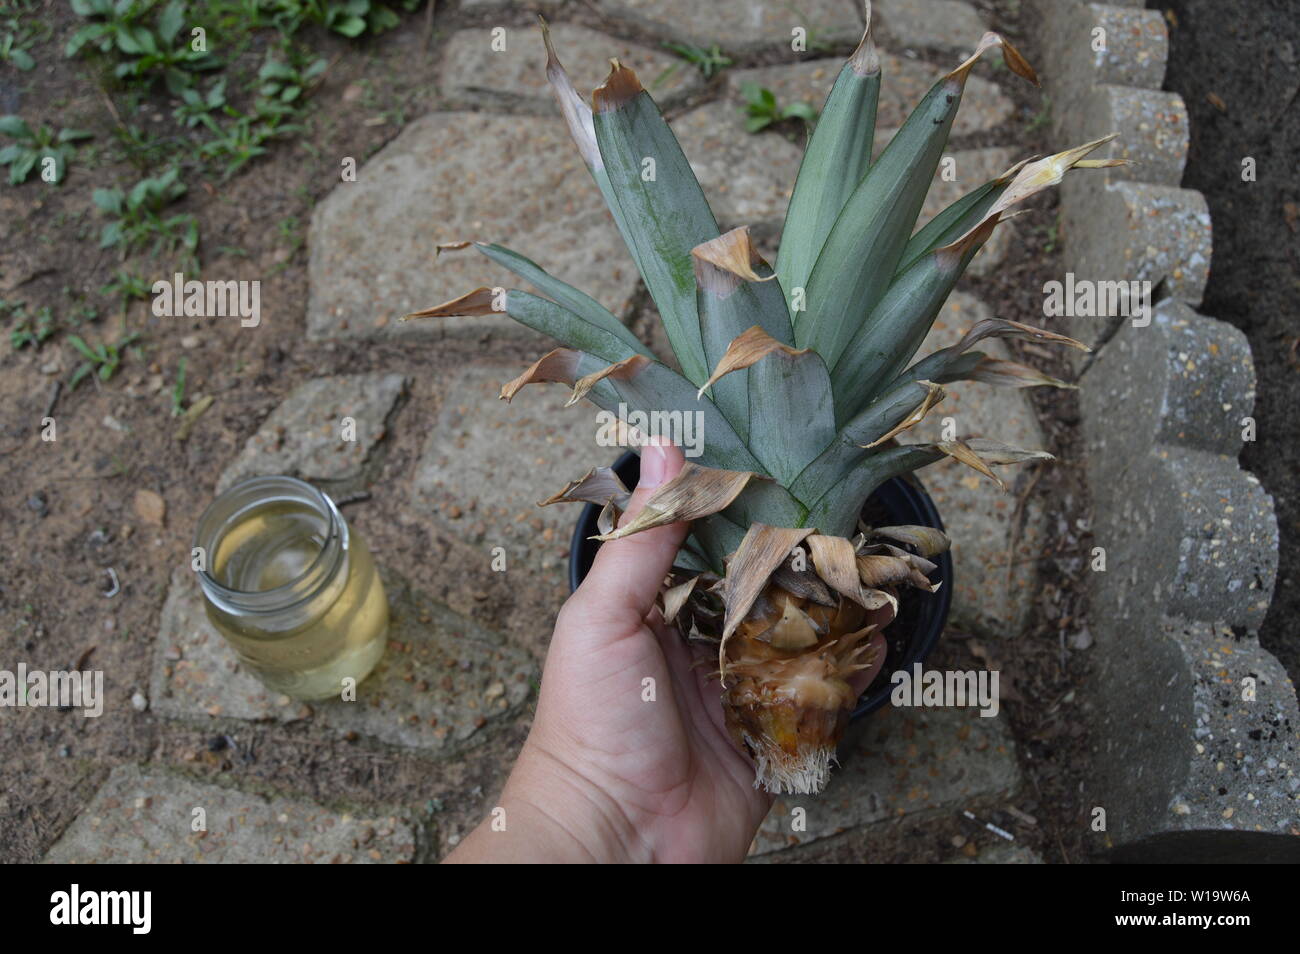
(837, 157)
(663, 212)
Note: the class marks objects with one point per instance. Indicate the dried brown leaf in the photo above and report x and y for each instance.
(1004, 328)
(1030, 180)
(1010, 55)
(1013, 374)
(620, 86)
(695, 492)
(478, 302)
(675, 597)
(559, 365)
(865, 61)
(803, 583)
(933, 395)
(599, 485)
(996, 452)
(884, 570)
(747, 348)
(763, 549)
(720, 262)
(927, 540)
(574, 109)
(620, 370)
(836, 562)
(794, 630)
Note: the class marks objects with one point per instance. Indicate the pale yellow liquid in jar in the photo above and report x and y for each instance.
(338, 634)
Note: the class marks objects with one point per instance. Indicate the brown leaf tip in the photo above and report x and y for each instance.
(732, 252)
(1012, 57)
(620, 86)
(477, 302)
(551, 59)
(560, 365)
(865, 61)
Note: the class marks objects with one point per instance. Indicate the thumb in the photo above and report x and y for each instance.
(627, 572)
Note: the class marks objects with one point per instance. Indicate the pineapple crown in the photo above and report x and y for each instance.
(801, 372)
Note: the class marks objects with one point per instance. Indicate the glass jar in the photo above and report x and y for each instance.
(291, 588)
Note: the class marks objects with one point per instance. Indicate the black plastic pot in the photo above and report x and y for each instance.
(910, 638)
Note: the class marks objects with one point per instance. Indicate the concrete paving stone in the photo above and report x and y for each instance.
(905, 761)
(746, 179)
(1006, 854)
(743, 24)
(904, 83)
(515, 180)
(304, 436)
(946, 24)
(749, 178)
(143, 816)
(444, 684)
(977, 515)
(470, 64)
(487, 463)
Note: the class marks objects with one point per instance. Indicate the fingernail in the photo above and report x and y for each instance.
(654, 462)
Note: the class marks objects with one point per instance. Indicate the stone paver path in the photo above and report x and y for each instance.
(145, 817)
(322, 433)
(906, 761)
(443, 684)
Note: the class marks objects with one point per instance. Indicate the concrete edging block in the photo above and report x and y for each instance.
(1197, 726)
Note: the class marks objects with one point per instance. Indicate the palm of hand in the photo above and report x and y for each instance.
(624, 704)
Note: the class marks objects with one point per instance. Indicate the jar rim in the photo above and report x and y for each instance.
(277, 598)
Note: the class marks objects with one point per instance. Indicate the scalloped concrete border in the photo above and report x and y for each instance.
(1188, 766)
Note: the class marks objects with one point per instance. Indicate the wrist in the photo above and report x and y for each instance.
(548, 813)
(575, 817)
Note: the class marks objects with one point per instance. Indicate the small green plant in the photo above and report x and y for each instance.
(117, 23)
(284, 82)
(151, 53)
(127, 288)
(196, 108)
(33, 330)
(165, 53)
(103, 359)
(762, 110)
(15, 38)
(35, 146)
(351, 18)
(240, 141)
(709, 62)
(232, 16)
(137, 216)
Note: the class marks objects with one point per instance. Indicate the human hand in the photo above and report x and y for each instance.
(610, 772)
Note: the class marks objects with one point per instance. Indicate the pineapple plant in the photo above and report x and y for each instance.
(802, 375)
